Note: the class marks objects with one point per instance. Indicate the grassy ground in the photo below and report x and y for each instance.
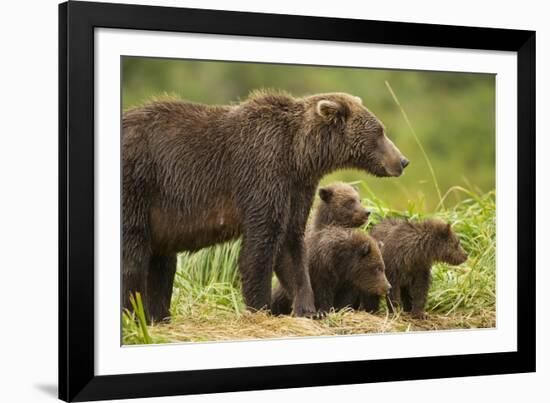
(207, 304)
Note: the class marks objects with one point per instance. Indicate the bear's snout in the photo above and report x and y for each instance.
(387, 288)
(392, 161)
(463, 256)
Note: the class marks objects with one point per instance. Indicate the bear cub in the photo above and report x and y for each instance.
(338, 256)
(340, 259)
(340, 206)
(410, 249)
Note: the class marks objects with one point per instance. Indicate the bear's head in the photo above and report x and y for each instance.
(340, 205)
(367, 271)
(446, 244)
(350, 136)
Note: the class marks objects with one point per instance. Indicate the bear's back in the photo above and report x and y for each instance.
(382, 230)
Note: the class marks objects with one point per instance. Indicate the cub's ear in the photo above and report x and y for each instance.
(365, 249)
(445, 231)
(380, 245)
(330, 111)
(325, 194)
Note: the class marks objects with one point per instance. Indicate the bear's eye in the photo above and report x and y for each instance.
(349, 204)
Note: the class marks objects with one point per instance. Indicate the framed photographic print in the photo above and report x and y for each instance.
(258, 201)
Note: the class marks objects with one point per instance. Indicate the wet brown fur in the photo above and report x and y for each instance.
(409, 251)
(195, 175)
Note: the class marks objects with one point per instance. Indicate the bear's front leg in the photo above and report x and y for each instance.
(303, 303)
(256, 261)
(264, 218)
(324, 300)
(419, 293)
(293, 274)
(393, 299)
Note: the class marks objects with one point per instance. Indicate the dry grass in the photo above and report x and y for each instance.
(260, 325)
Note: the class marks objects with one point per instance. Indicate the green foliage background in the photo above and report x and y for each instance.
(453, 114)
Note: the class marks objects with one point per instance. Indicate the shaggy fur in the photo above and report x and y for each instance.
(409, 251)
(333, 261)
(196, 175)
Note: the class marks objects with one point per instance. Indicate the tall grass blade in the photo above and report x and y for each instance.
(430, 167)
(137, 305)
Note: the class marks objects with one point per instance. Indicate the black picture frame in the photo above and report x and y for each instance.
(77, 21)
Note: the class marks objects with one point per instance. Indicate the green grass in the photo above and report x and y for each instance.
(134, 323)
(207, 303)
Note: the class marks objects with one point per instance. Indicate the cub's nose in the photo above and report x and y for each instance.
(404, 162)
(367, 212)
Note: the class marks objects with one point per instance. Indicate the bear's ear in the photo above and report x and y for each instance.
(358, 99)
(365, 249)
(325, 194)
(445, 231)
(330, 111)
(380, 245)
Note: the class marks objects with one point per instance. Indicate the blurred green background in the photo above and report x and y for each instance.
(453, 114)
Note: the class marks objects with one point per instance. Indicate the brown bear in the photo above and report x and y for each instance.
(409, 251)
(339, 208)
(196, 175)
(339, 259)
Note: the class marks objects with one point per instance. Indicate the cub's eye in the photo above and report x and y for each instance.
(349, 204)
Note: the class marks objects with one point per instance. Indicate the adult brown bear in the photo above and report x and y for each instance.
(196, 175)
